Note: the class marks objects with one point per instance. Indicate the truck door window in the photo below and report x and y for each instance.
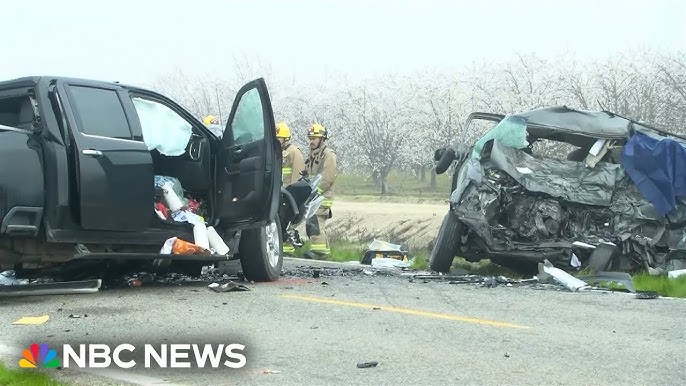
(163, 129)
(100, 112)
(248, 124)
(16, 112)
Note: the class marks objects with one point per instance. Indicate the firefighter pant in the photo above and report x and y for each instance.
(316, 231)
(288, 248)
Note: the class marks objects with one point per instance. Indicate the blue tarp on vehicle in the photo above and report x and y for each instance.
(657, 165)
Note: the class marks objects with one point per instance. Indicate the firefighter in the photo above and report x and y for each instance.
(210, 120)
(293, 161)
(292, 166)
(321, 160)
(212, 123)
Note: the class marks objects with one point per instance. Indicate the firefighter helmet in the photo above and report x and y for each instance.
(209, 120)
(282, 131)
(317, 131)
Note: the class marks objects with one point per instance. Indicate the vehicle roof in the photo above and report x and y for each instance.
(588, 123)
(34, 80)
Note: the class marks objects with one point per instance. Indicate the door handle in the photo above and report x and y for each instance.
(92, 153)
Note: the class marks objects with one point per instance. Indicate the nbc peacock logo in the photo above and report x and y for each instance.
(39, 356)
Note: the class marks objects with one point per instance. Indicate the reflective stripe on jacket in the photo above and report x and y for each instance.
(293, 164)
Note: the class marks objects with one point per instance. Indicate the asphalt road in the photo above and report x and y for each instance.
(308, 332)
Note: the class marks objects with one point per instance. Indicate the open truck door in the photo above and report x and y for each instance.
(248, 169)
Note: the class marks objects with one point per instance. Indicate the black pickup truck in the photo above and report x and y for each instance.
(80, 160)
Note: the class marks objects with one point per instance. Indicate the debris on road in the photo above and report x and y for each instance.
(9, 278)
(230, 286)
(139, 279)
(570, 282)
(31, 320)
(365, 365)
(677, 273)
(54, 288)
(135, 282)
(382, 250)
(305, 272)
(647, 295)
(387, 262)
(271, 371)
(490, 282)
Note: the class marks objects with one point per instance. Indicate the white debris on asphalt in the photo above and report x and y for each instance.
(570, 282)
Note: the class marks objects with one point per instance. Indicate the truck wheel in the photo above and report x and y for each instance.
(261, 252)
(448, 240)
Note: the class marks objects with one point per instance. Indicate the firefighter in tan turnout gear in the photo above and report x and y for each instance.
(322, 160)
(293, 161)
(291, 168)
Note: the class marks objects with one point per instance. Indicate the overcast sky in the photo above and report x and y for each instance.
(138, 41)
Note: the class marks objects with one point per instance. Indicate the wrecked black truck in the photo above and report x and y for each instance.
(100, 171)
(581, 189)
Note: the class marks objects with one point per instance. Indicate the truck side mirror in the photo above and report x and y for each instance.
(444, 157)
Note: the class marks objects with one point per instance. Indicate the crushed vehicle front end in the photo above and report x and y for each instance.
(578, 208)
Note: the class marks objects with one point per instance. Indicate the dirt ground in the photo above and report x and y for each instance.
(414, 225)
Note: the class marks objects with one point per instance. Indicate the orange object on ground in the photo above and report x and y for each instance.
(182, 247)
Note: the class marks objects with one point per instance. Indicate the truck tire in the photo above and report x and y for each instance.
(261, 252)
(447, 242)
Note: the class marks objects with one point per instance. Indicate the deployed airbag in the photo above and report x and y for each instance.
(162, 128)
(511, 131)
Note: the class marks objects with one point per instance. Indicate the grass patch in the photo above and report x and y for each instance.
(299, 252)
(344, 252)
(25, 377)
(663, 285)
(421, 261)
(399, 185)
(341, 251)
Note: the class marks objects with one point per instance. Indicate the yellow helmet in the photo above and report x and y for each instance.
(317, 130)
(282, 130)
(208, 120)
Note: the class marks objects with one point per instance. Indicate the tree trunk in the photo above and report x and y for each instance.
(416, 170)
(382, 180)
(433, 178)
(422, 172)
(375, 178)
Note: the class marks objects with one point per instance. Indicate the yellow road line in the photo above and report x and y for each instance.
(408, 311)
